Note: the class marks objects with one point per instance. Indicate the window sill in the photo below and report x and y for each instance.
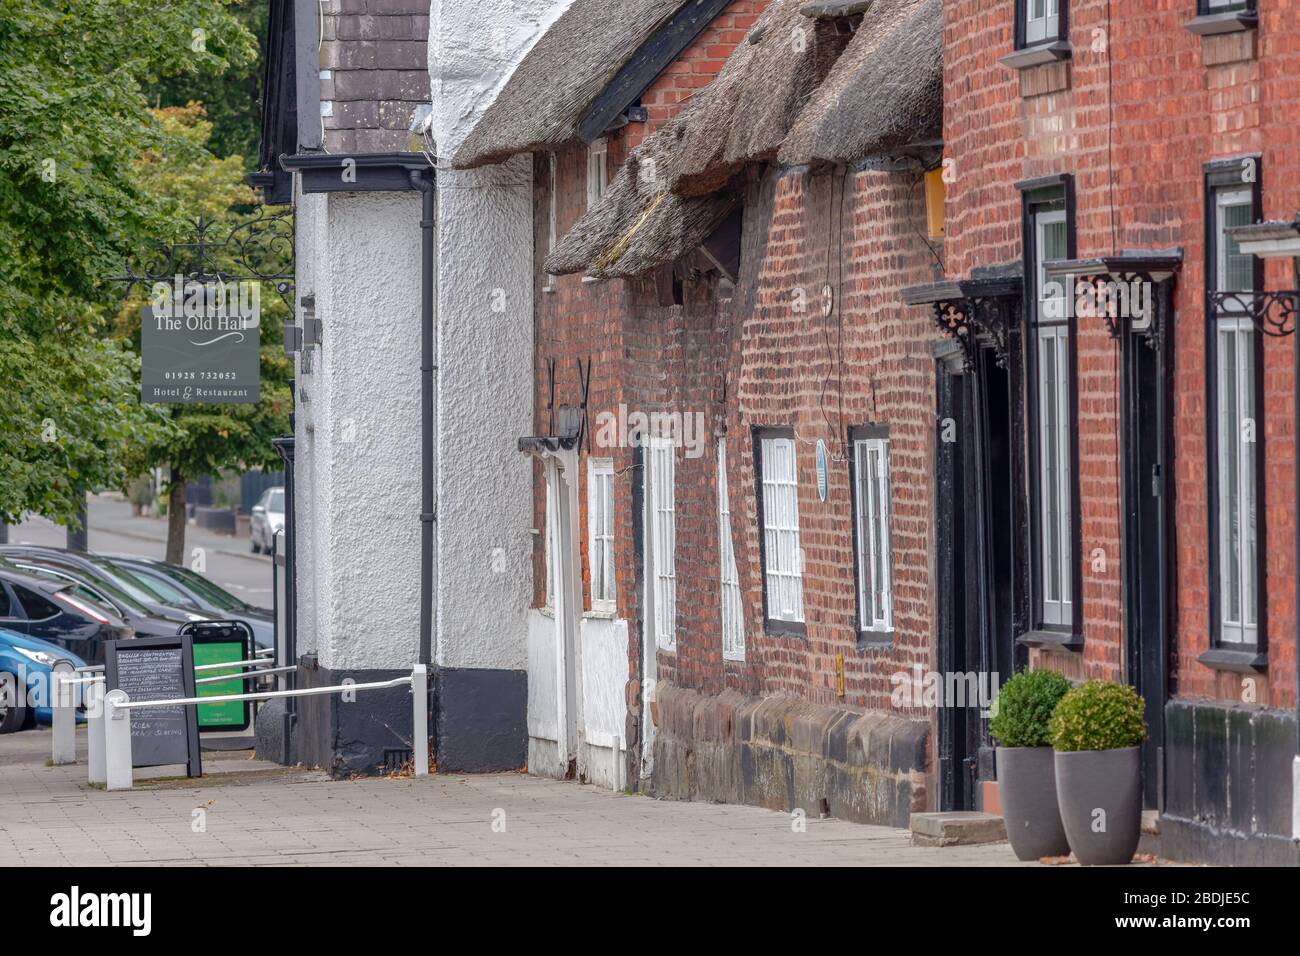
(1228, 659)
(785, 628)
(875, 640)
(1052, 51)
(1059, 640)
(1212, 24)
(601, 613)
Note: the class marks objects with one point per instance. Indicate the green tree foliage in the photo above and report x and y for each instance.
(73, 125)
(229, 98)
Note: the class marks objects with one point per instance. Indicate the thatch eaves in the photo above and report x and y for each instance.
(595, 60)
(641, 224)
(749, 108)
(884, 94)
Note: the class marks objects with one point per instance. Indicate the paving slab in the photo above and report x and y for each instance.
(245, 812)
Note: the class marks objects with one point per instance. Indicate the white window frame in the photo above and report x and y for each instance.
(661, 513)
(547, 532)
(733, 617)
(600, 534)
(1055, 440)
(782, 552)
(875, 550)
(1223, 199)
(597, 170)
(1237, 459)
(1042, 20)
(553, 232)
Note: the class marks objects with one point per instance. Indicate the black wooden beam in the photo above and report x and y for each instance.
(651, 59)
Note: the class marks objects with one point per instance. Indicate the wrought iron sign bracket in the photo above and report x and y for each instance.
(1272, 313)
(258, 249)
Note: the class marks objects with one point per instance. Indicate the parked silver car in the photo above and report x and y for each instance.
(267, 519)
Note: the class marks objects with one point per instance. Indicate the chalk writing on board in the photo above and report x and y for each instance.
(154, 674)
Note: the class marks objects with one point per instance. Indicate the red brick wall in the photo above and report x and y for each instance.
(698, 64)
(868, 362)
(1134, 116)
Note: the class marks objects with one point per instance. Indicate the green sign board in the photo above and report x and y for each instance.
(226, 714)
(221, 642)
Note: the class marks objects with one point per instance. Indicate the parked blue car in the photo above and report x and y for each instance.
(26, 667)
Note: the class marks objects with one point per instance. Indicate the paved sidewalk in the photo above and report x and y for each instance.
(246, 812)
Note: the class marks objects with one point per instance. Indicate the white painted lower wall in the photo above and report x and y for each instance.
(603, 656)
(604, 700)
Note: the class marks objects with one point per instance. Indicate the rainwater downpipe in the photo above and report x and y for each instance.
(423, 182)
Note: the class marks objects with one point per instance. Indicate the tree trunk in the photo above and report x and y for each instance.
(176, 520)
(79, 540)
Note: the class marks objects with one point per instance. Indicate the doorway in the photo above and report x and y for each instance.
(976, 514)
(1144, 429)
(565, 597)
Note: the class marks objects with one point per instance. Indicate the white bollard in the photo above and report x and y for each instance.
(1295, 799)
(420, 719)
(117, 741)
(94, 698)
(63, 700)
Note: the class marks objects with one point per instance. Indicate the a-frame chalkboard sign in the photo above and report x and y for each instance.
(157, 668)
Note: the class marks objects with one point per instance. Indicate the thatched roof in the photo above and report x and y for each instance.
(884, 93)
(751, 105)
(640, 223)
(559, 78)
(680, 184)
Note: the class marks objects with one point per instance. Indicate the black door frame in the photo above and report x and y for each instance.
(953, 409)
(976, 624)
(1146, 376)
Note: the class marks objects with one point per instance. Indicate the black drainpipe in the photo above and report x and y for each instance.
(285, 446)
(428, 514)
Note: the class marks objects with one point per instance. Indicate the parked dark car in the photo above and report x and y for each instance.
(200, 593)
(47, 606)
(138, 606)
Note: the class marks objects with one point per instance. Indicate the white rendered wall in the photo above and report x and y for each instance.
(358, 431)
(485, 343)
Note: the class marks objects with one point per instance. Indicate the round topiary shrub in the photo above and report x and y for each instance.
(1098, 715)
(1023, 707)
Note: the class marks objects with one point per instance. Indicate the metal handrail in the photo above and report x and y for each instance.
(253, 675)
(114, 722)
(262, 695)
(254, 662)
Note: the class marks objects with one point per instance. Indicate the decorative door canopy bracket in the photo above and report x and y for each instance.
(981, 308)
(1113, 287)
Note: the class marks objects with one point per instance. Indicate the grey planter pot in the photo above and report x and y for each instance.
(1027, 791)
(1100, 796)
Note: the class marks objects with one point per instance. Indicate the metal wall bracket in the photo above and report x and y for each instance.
(1272, 313)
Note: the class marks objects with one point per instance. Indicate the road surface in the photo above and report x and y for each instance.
(226, 560)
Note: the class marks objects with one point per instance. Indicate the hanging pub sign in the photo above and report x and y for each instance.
(200, 332)
(199, 343)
